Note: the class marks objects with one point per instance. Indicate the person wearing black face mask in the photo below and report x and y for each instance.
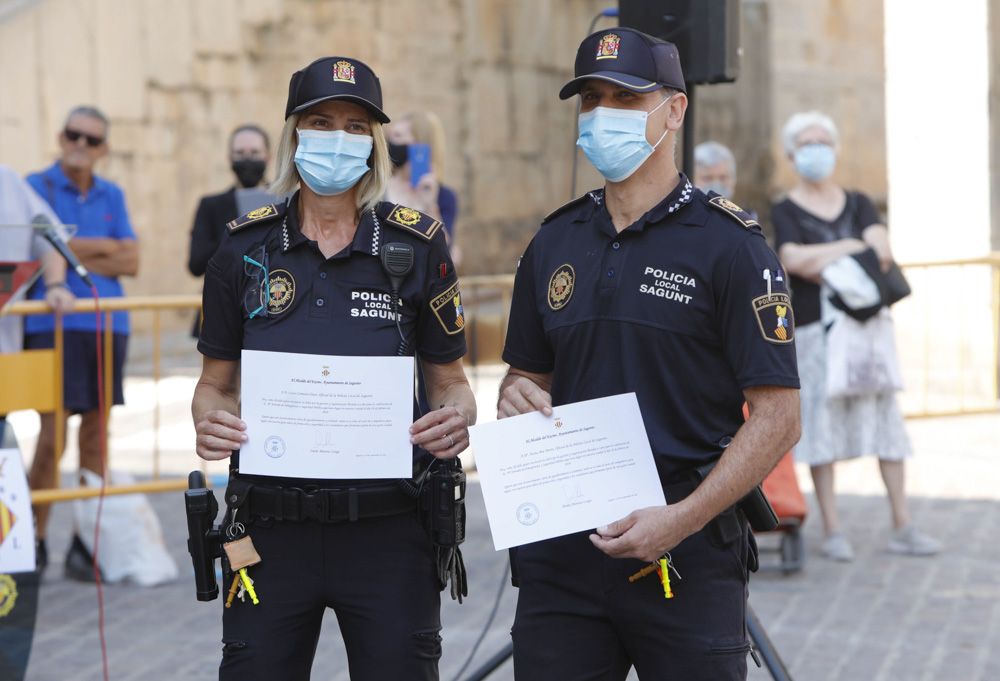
(428, 193)
(249, 153)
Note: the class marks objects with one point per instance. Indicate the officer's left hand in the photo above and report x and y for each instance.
(645, 534)
(443, 432)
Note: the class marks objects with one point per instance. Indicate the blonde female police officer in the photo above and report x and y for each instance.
(352, 545)
(649, 286)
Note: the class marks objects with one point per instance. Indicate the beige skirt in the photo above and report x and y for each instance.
(842, 428)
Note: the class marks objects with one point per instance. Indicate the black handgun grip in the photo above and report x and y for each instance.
(754, 505)
(758, 510)
(203, 540)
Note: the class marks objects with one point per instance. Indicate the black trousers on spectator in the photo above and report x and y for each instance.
(579, 619)
(377, 574)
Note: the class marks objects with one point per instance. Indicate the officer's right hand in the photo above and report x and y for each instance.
(522, 395)
(218, 433)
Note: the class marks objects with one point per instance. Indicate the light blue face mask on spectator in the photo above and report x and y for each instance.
(815, 162)
(720, 188)
(331, 162)
(614, 140)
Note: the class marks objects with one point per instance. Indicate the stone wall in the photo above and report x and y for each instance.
(739, 114)
(176, 77)
(800, 55)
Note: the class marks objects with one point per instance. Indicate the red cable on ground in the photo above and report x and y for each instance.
(104, 480)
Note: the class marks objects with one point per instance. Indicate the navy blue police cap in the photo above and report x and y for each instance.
(335, 78)
(626, 57)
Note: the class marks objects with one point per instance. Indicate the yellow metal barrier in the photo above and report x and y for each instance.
(42, 400)
(946, 307)
(487, 303)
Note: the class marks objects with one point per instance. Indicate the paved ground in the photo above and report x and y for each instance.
(881, 618)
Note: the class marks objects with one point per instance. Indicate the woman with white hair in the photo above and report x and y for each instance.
(818, 223)
(332, 271)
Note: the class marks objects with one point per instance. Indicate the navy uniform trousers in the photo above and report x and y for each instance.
(378, 575)
(579, 619)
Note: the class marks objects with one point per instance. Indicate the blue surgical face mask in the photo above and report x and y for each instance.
(815, 162)
(614, 140)
(331, 162)
(720, 188)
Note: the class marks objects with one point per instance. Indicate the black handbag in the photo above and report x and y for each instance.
(896, 286)
(892, 286)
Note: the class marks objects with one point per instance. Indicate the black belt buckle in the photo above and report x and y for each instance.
(314, 504)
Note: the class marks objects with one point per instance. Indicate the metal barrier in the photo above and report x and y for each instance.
(487, 301)
(154, 304)
(948, 314)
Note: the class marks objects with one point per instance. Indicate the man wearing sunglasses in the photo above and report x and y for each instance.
(106, 245)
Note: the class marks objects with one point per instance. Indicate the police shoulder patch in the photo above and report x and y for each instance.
(561, 285)
(775, 317)
(411, 220)
(257, 215)
(447, 308)
(732, 210)
(566, 207)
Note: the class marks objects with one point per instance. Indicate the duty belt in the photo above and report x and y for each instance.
(726, 527)
(327, 505)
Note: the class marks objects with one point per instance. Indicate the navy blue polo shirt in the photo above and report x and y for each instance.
(675, 308)
(331, 306)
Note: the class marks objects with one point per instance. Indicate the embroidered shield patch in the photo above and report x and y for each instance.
(261, 212)
(561, 286)
(727, 206)
(775, 317)
(406, 216)
(343, 72)
(448, 309)
(280, 291)
(608, 47)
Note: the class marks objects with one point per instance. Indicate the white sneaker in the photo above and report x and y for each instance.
(912, 542)
(836, 547)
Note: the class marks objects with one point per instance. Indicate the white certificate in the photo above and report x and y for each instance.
(585, 466)
(318, 416)
(17, 531)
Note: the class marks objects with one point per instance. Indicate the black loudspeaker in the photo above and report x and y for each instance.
(706, 32)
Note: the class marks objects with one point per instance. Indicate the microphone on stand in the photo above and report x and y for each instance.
(49, 233)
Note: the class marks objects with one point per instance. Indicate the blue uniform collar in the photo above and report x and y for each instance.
(367, 237)
(673, 204)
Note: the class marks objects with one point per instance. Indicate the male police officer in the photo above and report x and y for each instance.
(650, 286)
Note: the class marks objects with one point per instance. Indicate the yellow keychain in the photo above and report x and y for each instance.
(662, 568)
(248, 585)
(664, 572)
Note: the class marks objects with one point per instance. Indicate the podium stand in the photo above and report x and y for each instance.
(18, 604)
(29, 379)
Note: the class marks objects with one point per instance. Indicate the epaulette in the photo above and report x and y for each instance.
(411, 220)
(572, 204)
(734, 211)
(257, 215)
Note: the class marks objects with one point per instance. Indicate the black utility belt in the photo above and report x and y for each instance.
(321, 505)
(754, 507)
(723, 528)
